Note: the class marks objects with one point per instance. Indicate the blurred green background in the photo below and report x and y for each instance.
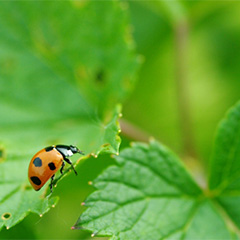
(188, 79)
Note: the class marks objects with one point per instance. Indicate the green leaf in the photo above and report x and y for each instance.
(224, 180)
(60, 82)
(225, 162)
(17, 198)
(150, 195)
(207, 223)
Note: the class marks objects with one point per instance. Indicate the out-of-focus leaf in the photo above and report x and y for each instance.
(224, 180)
(225, 162)
(63, 68)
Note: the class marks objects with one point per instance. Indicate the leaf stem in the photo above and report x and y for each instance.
(132, 131)
(176, 14)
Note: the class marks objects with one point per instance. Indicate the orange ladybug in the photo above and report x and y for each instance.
(47, 162)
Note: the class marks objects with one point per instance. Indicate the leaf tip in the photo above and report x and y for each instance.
(76, 227)
(94, 155)
(90, 183)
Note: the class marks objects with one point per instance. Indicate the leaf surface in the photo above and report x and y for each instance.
(60, 81)
(150, 195)
(224, 180)
(225, 162)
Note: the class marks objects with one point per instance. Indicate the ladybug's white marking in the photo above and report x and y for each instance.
(69, 153)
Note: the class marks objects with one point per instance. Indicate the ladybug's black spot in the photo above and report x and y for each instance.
(52, 166)
(36, 180)
(48, 149)
(37, 162)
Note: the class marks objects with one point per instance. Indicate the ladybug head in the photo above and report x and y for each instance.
(74, 149)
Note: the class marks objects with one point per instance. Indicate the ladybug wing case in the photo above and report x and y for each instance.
(43, 166)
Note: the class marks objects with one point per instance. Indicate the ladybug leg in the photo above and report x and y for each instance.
(61, 170)
(51, 183)
(69, 162)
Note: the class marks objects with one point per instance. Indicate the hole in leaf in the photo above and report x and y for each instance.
(2, 154)
(6, 216)
(100, 76)
(106, 145)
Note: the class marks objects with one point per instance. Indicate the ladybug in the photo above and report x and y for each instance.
(47, 162)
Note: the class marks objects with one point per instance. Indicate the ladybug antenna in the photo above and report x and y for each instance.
(74, 149)
(81, 152)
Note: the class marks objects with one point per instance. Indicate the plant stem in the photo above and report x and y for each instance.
(132, 131)
(181, 49)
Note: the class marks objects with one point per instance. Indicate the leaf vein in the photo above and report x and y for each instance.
(155, 173)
